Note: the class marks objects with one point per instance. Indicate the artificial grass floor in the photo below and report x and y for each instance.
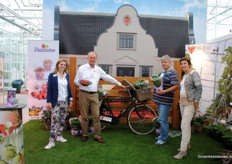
(122, 147)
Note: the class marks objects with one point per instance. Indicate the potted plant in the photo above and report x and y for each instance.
(221, 130)
(46, 118)
(198, 123)
(75, 126)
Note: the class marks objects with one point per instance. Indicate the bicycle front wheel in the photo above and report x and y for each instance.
(140, 119)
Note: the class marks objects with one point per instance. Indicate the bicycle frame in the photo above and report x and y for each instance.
(106, 105)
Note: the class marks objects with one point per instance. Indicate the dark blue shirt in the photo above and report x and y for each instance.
(170, 78)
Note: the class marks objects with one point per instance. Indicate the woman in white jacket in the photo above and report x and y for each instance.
(190, 94)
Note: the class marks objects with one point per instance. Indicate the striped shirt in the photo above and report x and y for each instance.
(170, 78)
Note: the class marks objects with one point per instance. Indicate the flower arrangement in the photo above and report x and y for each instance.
(75, 126)
(75, 123)
(157, 80)
(11, 99)
(46, 118)
(35, 111)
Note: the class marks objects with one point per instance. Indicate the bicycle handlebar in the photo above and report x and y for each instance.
(105, 93)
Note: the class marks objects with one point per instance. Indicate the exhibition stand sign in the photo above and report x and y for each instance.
(42, 57)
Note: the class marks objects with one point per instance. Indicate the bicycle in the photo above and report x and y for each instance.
(140, 118)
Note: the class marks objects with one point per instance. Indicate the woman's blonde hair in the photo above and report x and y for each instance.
(58, 62)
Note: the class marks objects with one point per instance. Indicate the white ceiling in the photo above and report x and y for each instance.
(23, 14)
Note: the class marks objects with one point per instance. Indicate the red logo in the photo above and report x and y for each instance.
(127, 20)
(191, 49)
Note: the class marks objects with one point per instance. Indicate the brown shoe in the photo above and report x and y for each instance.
(99, 140)
(84, 138)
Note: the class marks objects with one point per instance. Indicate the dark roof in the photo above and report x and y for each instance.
(170, 35)
(78, 34)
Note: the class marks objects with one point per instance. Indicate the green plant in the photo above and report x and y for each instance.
(140, 84)
(46, 116)
(75, 123)
(220, 132)
(199, 121)
(100, 95)
(219, 107)
(157, 79)
(227, 138)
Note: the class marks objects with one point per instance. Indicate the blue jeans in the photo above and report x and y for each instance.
(163, 119)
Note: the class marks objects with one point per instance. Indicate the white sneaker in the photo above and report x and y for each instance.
(50, 145)
(60, 139)
(160, 142)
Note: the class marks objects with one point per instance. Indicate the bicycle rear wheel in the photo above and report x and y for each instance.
(140, 119)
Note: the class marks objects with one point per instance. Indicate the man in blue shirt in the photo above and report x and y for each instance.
(164, 97)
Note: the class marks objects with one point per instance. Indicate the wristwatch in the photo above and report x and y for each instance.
(164, 91)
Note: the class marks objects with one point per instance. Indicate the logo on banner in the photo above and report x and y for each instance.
(191, 49)
(44, 48)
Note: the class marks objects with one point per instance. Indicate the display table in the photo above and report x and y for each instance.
(11, 134)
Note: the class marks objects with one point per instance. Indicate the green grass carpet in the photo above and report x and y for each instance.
(122, 147)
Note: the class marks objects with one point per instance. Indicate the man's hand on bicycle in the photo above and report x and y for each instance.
(124, 87)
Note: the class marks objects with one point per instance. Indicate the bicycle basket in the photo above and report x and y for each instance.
(142, 94)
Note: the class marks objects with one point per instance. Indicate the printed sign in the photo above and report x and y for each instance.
(42, 58)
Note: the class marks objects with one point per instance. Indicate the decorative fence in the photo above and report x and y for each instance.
(117, 91)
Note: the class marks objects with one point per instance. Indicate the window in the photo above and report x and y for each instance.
(126, 71)
(106, 68)
(126, 41)
(145, 71)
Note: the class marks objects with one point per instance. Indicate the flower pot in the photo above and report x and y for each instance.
(74, 132)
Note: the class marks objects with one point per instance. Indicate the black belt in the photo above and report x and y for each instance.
(87, 91)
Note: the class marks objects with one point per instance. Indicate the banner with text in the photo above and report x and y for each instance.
(42, 57)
